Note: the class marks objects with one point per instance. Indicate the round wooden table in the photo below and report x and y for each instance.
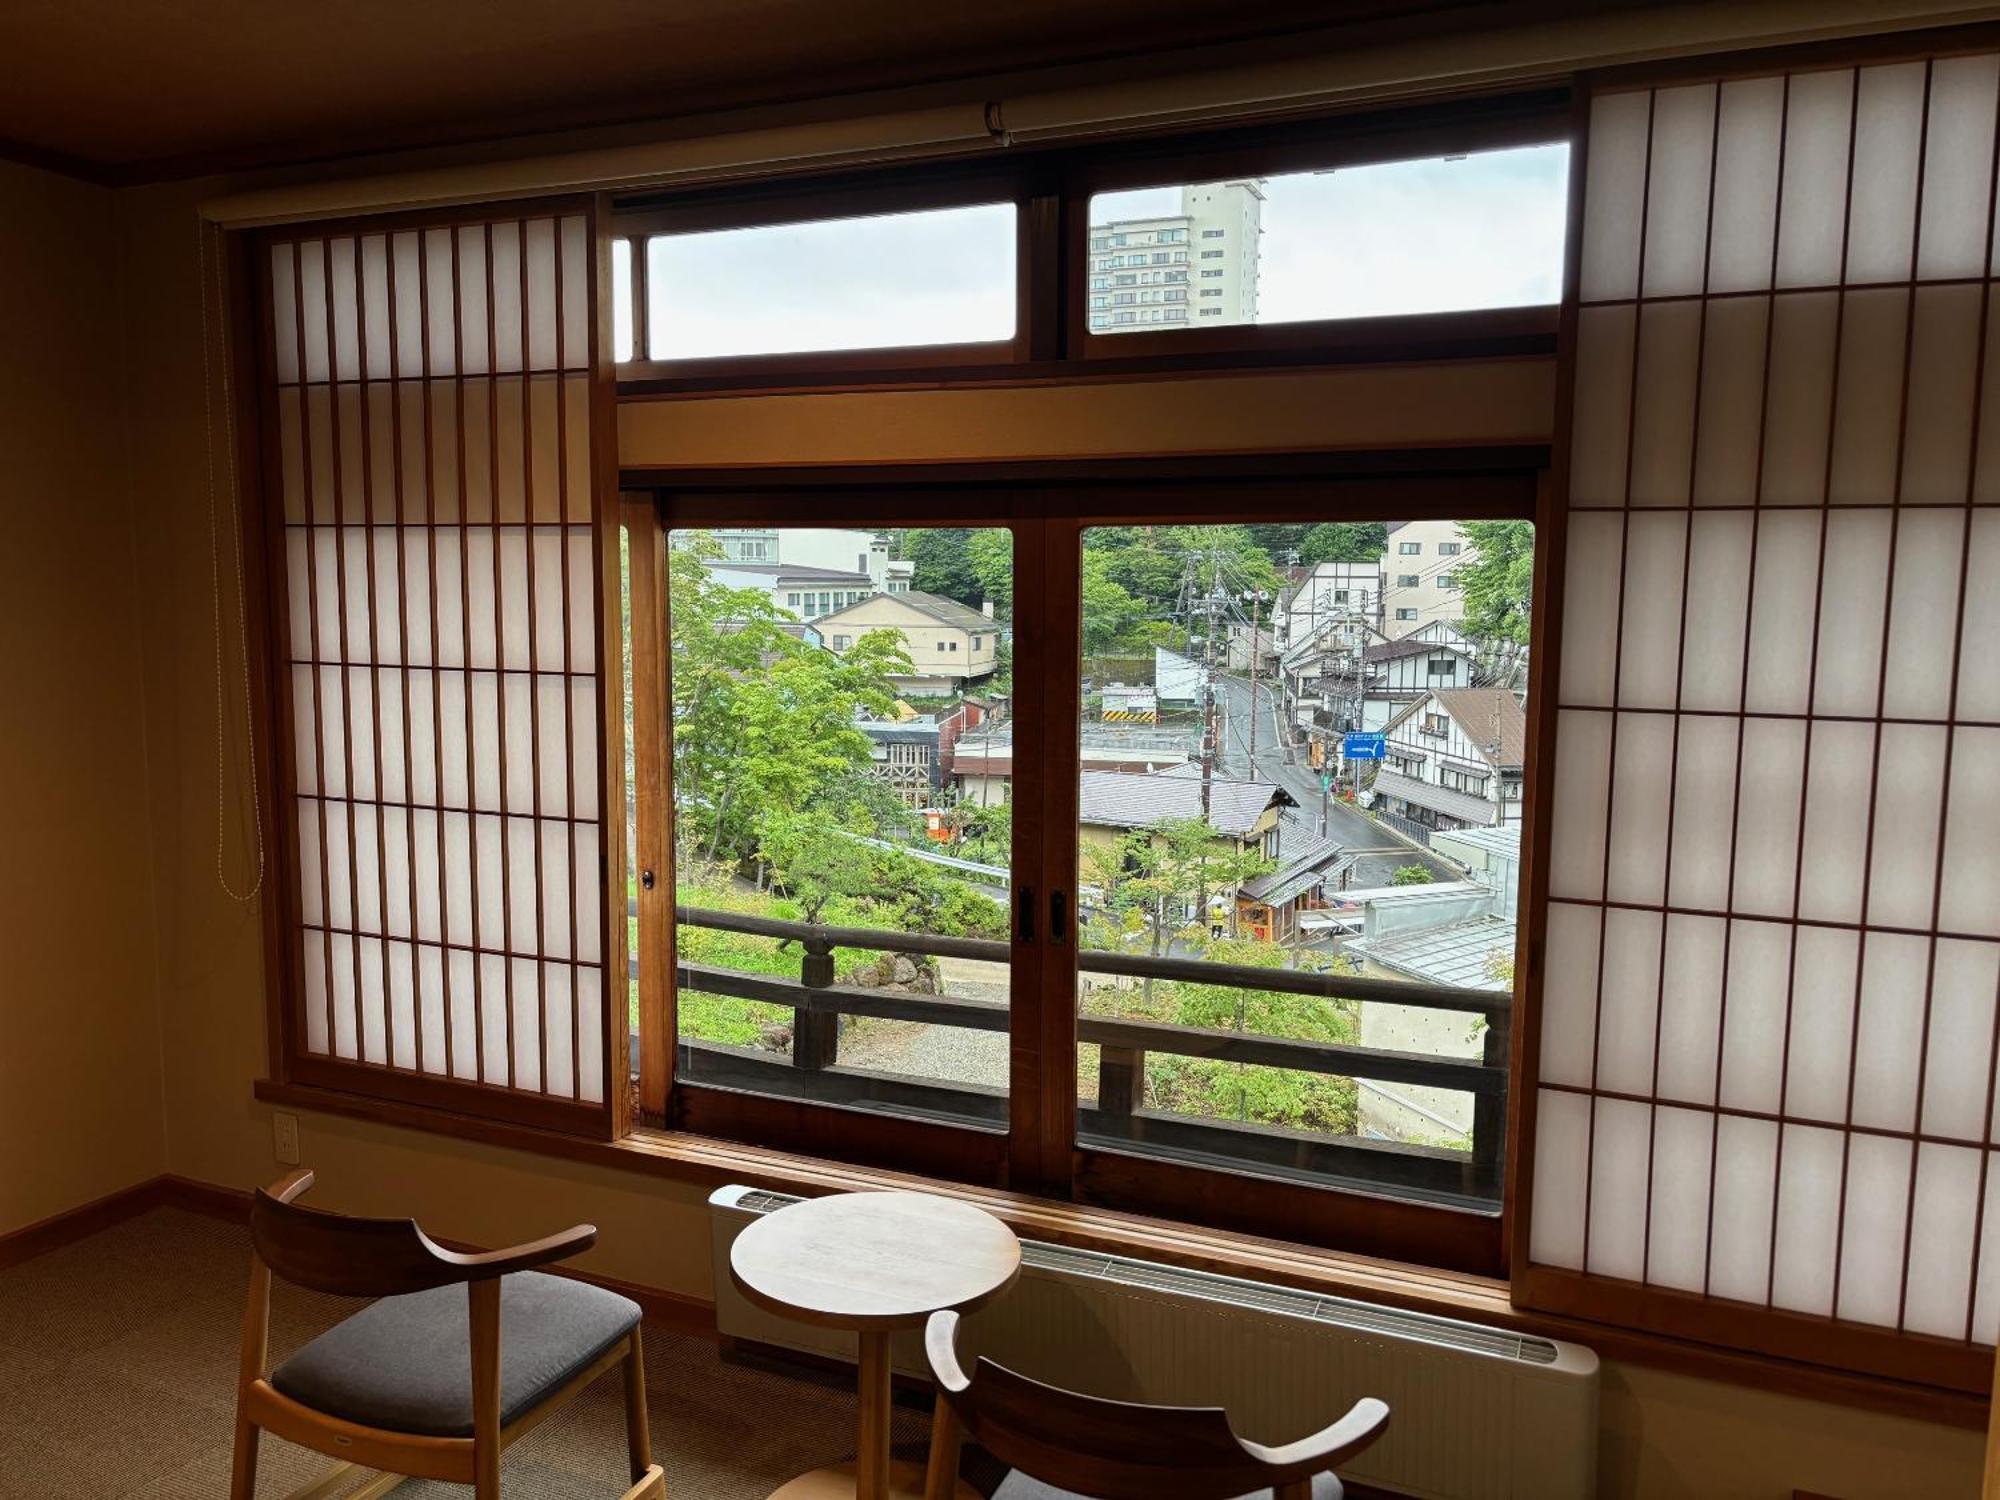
(873, 1262)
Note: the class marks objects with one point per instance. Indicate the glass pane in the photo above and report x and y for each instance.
(942, 276)
(1299, 837)
(621, 300)
(843, 934)
(1438, 235)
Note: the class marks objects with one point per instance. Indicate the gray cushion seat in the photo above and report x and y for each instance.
(405, 1363)
(1018, 1486)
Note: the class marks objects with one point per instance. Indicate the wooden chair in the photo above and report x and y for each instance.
(1064, 1446)
(415, 1384)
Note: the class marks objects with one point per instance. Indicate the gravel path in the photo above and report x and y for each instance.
(919, 1049)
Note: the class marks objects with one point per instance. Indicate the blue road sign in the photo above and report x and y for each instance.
(1361, 746)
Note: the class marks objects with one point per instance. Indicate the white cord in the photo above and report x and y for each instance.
(215, 579)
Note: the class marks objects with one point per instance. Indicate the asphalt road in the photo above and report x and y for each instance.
(1382, 852)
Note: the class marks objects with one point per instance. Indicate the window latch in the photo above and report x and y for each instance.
(1024, 928)
(646, 879)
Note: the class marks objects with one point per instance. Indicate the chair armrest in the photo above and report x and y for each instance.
(1331, 1446)
(941, 1350)
(490, 1263)
(291, 1185)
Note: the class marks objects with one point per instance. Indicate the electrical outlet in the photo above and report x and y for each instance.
(285, 1139)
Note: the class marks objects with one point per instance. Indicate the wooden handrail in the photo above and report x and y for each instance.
(1099, 961)
(1342, 1059)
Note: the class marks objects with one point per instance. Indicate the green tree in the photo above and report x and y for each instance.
(1109, 610)
(1411, 875)
(1344, 541)
(943, 559)
(1267, 1096)
(990, 555)
(761, 719)
(1156, 883)
(1498, 581)
(1278, 540)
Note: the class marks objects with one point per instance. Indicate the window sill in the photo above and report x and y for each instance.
(681, 1157)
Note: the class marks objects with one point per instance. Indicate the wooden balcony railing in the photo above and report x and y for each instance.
(1119, 1117)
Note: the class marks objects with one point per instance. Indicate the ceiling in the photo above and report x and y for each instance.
(125, 91)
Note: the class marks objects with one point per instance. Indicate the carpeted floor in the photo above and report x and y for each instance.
(118, 1366)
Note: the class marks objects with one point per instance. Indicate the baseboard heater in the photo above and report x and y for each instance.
(1479, 1413)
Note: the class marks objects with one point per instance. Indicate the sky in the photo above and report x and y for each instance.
(1483, 230)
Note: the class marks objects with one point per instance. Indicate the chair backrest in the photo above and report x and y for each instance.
(1111, 1450)
(345, 1256)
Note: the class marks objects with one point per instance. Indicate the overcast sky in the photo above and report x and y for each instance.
(1420, 236)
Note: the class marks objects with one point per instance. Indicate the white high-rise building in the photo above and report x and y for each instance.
(1186, 270)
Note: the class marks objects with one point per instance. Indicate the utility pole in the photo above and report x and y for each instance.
(1256, 602)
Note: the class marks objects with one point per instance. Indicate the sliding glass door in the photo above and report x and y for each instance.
(1153, 845)
(837, 717)
(1300, 737)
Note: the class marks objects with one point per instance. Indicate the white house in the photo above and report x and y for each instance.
(834, 548)
(1402, 671)
(1453, 759)
(795, 589)
(1419, 567)
(1347, 595)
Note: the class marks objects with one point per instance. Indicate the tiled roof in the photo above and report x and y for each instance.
(1486, 715)
(1489, 716)
(1119, 799)
(944, 611)
(1408, 646)
(1302, 856)
(795, 573)
(1447, 800)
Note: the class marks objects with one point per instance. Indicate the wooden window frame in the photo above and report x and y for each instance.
(849, 196)
(1040, 1151)
(1391, 135)
(1051, 187)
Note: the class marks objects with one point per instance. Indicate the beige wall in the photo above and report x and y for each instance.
(80, 1111)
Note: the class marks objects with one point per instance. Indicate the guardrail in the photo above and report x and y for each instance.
(1120, 1115)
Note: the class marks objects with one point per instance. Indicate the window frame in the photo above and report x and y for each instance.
(1351, 140)
(1051, 186)
(826, 199)
(956, 1150)
(1041, 1151)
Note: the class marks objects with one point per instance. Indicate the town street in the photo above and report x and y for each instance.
(1382, 852)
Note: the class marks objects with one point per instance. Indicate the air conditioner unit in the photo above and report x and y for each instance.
(1478, 1413)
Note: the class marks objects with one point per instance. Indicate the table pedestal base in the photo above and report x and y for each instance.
(906, 1482)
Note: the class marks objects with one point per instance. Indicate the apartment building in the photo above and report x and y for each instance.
(1420, 567)
(1180, 270)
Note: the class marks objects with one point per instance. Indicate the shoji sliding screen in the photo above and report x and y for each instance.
(1766, 1047)
(433, 414)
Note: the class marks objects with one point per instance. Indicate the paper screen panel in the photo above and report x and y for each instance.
(1768, 1012)
(432, 390)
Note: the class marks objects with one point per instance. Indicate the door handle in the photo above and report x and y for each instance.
(1024, 927)
(1058, 917)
